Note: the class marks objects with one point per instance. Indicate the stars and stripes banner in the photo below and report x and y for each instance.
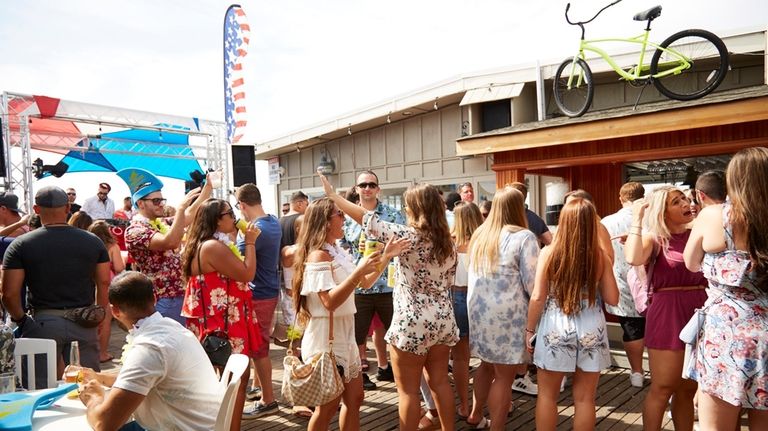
(236, 37)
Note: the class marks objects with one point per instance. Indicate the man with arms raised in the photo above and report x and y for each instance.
(166, 381)
(154, 242)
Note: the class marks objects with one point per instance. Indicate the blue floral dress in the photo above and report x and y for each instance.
(732, 354)
(497, 302)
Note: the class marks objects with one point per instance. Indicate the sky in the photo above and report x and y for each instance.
(308, 61)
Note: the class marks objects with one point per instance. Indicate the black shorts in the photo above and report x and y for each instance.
(633, 327)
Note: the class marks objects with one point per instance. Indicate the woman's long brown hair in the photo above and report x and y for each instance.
(204, 225)
(426, 214)
(312, 236)
(574, 264)
(747, 184)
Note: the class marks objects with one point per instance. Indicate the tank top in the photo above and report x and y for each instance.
(462, 278)
(670, 270)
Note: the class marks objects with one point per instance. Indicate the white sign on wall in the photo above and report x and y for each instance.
(274, 170)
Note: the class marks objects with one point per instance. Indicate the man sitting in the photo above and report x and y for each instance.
(166, 381)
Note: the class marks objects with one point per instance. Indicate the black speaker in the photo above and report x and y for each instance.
(2, 151)
(243, 164)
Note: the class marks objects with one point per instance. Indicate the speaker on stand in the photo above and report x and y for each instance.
(243, 164)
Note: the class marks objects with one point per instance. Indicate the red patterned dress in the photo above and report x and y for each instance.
(219, 292)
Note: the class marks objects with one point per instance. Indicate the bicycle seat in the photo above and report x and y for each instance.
(649, 14)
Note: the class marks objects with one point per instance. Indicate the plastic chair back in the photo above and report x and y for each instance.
(230, 383)
(30, 347)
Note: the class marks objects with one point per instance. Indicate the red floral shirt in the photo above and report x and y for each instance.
(163, 267)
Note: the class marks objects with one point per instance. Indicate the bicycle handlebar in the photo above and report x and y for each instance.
(580, 23)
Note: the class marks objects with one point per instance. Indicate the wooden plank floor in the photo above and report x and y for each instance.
(618, 404)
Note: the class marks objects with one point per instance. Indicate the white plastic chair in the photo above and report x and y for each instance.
(230, 383)
(30, 347)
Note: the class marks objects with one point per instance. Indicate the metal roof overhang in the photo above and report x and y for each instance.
(727, 107)
(491, 93)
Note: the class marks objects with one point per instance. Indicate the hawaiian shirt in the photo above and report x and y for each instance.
(352, 237)
(618, 224)
(163, 267)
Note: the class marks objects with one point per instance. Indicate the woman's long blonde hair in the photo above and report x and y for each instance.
(574, 263)
(507, 210)
(426, 213)
(467, 219)
(747, 184)
(654, 214)
(312, 235)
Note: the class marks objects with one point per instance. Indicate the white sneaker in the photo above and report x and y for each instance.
(636, 380)
(525, 385)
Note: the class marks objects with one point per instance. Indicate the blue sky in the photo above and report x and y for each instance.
(308, 60)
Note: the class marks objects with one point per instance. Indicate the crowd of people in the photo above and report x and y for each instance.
(441, 282)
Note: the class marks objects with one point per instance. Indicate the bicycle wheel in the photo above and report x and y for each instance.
(708, 59)
(575, 100)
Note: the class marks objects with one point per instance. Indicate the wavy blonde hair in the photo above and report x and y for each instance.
(654, 214)
(574, 263)
(507, 211)
(467, 219)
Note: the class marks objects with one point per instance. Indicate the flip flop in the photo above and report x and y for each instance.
(483, 424)
(302, 412)
(429, 422)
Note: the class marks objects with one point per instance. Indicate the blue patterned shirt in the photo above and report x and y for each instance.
(351, 241)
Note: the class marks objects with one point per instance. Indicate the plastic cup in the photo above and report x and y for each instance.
(370, 247)
(7, 383)
(241, 225)
(215, 179)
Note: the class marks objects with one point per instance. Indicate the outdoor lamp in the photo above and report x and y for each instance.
(326, 166)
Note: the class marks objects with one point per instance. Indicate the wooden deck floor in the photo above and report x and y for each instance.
(619, 405)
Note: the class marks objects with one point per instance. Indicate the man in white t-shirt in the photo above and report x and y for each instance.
(166, 380)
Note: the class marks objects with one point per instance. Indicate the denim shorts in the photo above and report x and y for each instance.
(460, 311)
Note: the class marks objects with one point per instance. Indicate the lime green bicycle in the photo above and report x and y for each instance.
(688, 65)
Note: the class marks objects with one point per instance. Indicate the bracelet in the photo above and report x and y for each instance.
(530, 331)
(635, 233)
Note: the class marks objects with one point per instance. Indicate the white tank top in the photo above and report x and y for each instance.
(461, 278)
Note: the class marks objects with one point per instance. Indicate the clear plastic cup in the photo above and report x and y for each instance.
(215, 178)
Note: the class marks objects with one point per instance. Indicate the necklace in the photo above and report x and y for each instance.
(221, 236)
(157, 224)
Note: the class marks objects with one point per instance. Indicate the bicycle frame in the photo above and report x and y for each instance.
(680, 60)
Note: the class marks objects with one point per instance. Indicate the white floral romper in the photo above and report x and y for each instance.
(566, 342)
(423, 307)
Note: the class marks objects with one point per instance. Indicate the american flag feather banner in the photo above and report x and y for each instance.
(236, 37)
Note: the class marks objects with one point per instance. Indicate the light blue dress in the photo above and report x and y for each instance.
(566, 342)
(497, 302)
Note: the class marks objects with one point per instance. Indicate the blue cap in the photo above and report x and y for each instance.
(140, 183)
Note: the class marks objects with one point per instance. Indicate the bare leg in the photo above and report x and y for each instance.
(758, 419)
(546, 400)
(380, 346)
(716, 414)
(460, 354)
(634, 351)
(264, 373)
(481, 384)
(105, 330)
(407, 368)
(666, 370)
(437, 378)
(322, 416)
(352, 397)
(584, 389)
(240, 401)
(500, 393)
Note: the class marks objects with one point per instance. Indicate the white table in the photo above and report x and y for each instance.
(64, 415)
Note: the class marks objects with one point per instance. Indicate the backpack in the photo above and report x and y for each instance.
(639, 281)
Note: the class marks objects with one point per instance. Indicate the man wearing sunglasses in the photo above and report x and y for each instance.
(154, 242)
(100, 206)
(377, 299)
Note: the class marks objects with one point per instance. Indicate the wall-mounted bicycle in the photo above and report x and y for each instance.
(687, 65)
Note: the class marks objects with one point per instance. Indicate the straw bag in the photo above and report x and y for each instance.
(315, 383)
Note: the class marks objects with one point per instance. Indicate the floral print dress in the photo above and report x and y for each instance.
(732, 353)
(564, 342)
(497, 302)
(224, 299)
(423, 308)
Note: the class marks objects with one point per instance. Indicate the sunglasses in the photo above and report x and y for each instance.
(339, 213)
(71, 194)
(155, 201)
(229, 213)
(368, 185)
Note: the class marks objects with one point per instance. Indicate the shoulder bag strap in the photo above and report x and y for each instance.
(651, 265)
(202, 293)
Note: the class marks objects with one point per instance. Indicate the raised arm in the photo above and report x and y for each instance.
(354, 211)
(639, 246)
(172, 239)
